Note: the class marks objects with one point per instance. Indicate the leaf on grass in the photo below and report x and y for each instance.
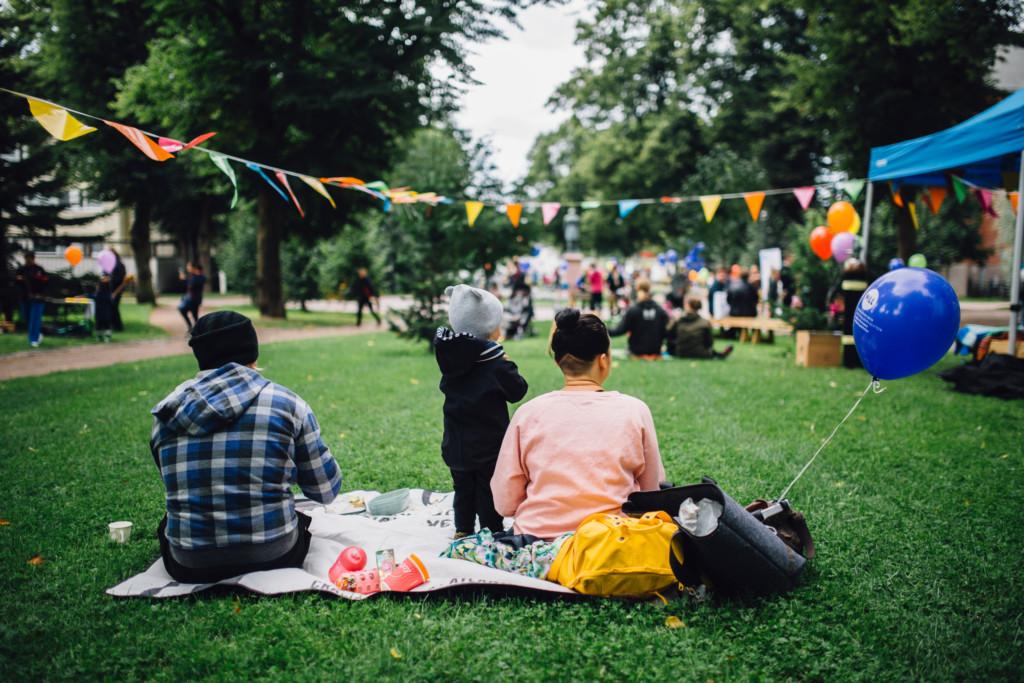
(413, 380)
(36, 560)
(395, 654)
(371, 343)
(341, 435)
(833, 385)
(1004, 456)
(309, 378)
(5, 522)
(237, 606)
(674, 622)
(32, 450)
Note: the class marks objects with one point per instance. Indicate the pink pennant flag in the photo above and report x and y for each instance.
(142, 141)
(172, 145)
(549, 210)
(283, 179)
(985, 197)
(804, 195)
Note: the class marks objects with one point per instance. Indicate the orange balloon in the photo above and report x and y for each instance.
(841, 216)
(73, 254)
(821, 243)
(693, 275)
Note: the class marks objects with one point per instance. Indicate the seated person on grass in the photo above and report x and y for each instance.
(689, 335)
(229, 444)
(645, 322)
(579, 450)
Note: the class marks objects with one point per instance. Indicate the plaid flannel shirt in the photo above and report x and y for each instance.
(229, 445)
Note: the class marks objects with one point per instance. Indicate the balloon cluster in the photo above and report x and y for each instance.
(838, 239)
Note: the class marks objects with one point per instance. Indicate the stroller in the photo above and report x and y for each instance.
(519, 314)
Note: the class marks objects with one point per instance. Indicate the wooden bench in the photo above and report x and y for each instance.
(754, 329)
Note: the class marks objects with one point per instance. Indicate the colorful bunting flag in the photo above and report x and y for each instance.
(387, 206)
(253, 167)
(378, 185)
(319, 188)
(804, 195)
(754, 200)
(626, 206)
(959, 189)
(172, 145)
(142, 141)
(710, 205)
(548, 211)
(912, 208)
(514, 211)
(1014, 198)
(897, 198)
(344, 181)
(671, 200)
(936, 195)
(985, 198)
(283, 179)
(473, 210)
(853, 188)
(57, 121)
(590, 204)
(221, 162)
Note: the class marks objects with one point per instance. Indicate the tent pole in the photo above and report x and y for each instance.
(1018, 247)
(868, 206)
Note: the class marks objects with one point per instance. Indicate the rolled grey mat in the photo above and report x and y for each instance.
(741, 556)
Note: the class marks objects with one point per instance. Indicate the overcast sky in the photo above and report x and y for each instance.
(517, 76)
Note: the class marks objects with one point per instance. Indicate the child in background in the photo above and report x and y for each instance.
(104, 315)
(477, 380)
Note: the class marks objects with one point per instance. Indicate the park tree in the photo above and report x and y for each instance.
(324, 88)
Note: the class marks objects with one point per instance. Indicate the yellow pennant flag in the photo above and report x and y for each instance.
(754, 202)
(710, 205)
(912, 207)
(58, 122)
(473, 210)
(514, 211)
(319, 188)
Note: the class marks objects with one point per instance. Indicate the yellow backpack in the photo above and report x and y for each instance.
(611, 555)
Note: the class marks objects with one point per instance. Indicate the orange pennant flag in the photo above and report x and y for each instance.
(754, 202)
(344, 180)
(1014, 200)
(936, 195)
(514, 212)
(145, 144)
(897, 198)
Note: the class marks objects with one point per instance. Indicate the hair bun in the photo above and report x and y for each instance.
(567, 319)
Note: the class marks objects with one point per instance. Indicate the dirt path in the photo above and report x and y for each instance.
(43, 362)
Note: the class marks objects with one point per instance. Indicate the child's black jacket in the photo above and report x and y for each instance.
(477, 382)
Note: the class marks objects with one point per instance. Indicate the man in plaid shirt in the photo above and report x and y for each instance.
(229, 444)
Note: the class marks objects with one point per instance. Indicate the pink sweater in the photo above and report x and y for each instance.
(569, 454)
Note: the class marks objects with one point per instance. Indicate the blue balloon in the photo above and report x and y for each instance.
(535, 251)
(896, 264)
(905, 322)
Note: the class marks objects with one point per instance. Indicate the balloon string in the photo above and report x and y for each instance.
(873, 385)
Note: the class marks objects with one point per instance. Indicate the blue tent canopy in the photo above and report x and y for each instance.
(981, 150)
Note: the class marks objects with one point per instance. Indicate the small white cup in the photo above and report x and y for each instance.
(120, 532)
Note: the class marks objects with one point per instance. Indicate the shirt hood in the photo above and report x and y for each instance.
(211, 400)
(458, 353)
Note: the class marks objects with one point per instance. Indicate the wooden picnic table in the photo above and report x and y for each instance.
(754, 328)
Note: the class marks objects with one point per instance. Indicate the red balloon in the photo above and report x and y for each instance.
(821, 243)
(352, 558)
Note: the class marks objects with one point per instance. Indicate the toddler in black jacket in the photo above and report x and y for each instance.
(478, 381)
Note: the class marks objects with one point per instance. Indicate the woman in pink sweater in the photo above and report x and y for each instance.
(576, 451)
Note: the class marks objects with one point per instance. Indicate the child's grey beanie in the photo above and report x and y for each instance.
(473, 311)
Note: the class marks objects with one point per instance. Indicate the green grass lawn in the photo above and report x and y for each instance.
(916, 508)
(297, 318)
(136, 327)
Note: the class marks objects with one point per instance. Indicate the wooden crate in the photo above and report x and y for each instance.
(1003, 346)
(818, 349)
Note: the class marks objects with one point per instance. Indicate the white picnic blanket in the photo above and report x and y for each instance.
(425, 528)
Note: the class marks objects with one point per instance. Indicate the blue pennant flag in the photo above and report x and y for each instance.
(626, 206)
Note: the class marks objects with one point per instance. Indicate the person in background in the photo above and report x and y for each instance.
(616, 287)
(478, 382)
(775, 290)
(195, 283)
(104, 305)
(363, 291)
(118, 281)
(852, 286)
(229, 445)
(595, 283)
(579, 450)
(719, 284)
(689, 335)
(645, 322)
(31, 280)
(742, 296)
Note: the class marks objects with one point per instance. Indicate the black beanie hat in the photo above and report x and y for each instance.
(224, 337)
